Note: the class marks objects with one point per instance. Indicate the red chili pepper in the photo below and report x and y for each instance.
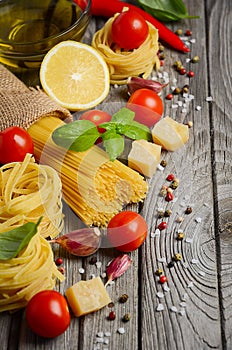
(107, 8)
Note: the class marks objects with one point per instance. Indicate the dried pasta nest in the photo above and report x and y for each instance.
(29, 191)
(123, 63)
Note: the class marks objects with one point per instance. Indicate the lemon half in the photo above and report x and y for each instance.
(75, 75)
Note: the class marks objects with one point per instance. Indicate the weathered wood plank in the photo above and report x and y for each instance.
(200, 326)
(219, 28)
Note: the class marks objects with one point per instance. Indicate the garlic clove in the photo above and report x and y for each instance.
(135, 83)
(82, 242)
(117, 267)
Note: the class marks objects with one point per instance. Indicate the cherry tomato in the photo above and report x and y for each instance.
(15, 143)
(47, 314)
(97, 117)
(147, 105)
(129, 30)
(127, 231)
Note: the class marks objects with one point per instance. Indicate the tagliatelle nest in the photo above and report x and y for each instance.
(124, 63)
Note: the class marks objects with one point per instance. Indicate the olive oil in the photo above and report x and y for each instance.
(29, 28)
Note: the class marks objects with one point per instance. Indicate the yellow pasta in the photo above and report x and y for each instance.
(27, 192)
(123, 63)
(33, 270)
(94, 187)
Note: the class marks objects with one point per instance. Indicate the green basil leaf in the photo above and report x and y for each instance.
(113, 143)
(77, 136)
(166, 10)
(123, 116)
(135, 131)
(12, 242)
(109, 126)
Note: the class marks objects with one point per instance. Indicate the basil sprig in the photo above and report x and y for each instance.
(12, 242)
(166, 10)
(82, 134)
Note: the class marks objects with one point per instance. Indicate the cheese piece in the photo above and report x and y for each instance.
(170, 134)
(144, 157)
(85, 297)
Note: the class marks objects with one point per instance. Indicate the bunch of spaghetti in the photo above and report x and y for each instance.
(93, 186)
(124, 63)
(31, 271)
(27, 192)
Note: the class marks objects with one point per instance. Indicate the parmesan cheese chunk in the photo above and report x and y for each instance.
(85, 297)
(144, 157)
(170, 134)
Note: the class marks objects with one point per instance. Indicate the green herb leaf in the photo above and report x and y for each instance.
(77, 136)
(135, 131)
(123, 116)
(12, 242)
(113, 143)
(166, 10)
(82, 134)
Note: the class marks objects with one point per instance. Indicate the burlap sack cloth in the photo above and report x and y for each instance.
(23, 106)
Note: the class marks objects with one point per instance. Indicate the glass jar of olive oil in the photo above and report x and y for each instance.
(29, 28)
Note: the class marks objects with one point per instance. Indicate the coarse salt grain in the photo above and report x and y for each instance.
(189, 240)
(160, 167)
(190, 285)
(81, 270)
(185, 296)
(100, 334)
(183, 304)
(160, 307)
(201, 273)
(92, 275)
(185, 265)
(103, 275)
(156, 233)
(184, 110)
(198, 220)
(107, 334)
(188, 60)
(175, 106)
(209, 99)
(182, 312)
(173, 308)
(166, 288)
(160, 294)
(98, 264)
(192, 41)
(194, 261)
(121, 330)
(198, 108)
(106, 341)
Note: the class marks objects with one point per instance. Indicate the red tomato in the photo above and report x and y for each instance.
(47, 314)
(147, 105)
(97, 117)
(15, 143)
(129, 30)
(127, 231)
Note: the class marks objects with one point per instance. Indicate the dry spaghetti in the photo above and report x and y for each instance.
(123, 63)
(94, 187)
(27, 192)
(31, 271)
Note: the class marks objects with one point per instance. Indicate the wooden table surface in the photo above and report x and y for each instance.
(194, 310)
